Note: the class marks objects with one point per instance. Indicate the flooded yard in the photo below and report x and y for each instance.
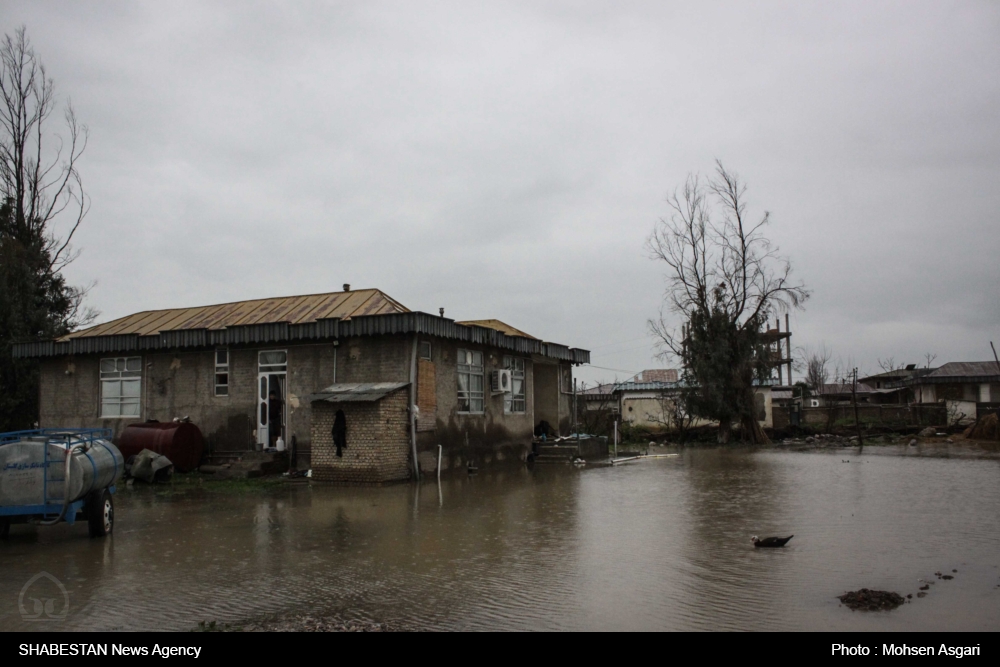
(659, 544)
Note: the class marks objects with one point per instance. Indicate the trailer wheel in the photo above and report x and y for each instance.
(4, 529)
(101, 513)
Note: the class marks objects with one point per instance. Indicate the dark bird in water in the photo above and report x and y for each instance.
(770, 541)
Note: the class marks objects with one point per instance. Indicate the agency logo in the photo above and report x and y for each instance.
(43, 598)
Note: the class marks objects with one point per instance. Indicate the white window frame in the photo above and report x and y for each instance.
(425, 344)
(516, 366)
(466, 365)
(221, 388)
(272, 368)
(114, 380)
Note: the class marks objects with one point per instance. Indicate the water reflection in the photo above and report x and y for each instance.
(658, 544)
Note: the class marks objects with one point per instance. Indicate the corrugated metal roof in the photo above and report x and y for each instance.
(497, 325)
(351, 392)
(289, 309)
(954, 369)
(845, 388)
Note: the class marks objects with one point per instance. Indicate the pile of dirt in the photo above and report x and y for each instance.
(869, 600)
(987, 428)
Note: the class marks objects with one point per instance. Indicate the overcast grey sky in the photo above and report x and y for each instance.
(508, 159)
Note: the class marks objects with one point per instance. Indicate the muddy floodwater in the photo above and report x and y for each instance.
(659, 544)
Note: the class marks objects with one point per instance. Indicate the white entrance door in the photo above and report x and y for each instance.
(268, 383)
(271, 368)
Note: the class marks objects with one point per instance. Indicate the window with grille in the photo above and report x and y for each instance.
(222, 372)
(514, 402)
(121, 386)
(470, 381)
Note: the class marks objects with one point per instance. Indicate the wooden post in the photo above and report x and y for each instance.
(788, 343)
(777, 345)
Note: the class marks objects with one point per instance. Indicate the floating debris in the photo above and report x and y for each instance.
(869, 600)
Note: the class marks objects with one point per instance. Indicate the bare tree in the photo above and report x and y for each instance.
(40, 187)
(929, 359)
(724, 281)
(889, 365)
(38, 170)
(817, 373)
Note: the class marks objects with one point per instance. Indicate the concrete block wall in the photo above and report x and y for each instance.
(378, 443)
(488, 437)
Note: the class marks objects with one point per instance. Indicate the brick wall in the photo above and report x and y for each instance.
(377, 441)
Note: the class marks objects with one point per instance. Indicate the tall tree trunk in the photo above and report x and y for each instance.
(753, 431)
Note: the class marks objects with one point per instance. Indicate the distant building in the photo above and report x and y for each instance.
(657, 375)
(977, 381)
(888, 387)
(649, 400)
(888, 378)
(830, 395)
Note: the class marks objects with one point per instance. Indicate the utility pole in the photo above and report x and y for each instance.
(854, 399)
(576, 420)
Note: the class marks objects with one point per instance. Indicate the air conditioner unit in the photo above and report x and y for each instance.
(500, 382)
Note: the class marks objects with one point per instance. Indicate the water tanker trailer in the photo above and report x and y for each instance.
(59, 474)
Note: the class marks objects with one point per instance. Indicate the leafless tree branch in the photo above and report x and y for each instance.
(40, 179)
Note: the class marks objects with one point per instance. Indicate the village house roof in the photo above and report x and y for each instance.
(329, 316)
(958, 372)
(657, 375)
(290, 309)
(896, 375)
(497, 325)
(845, 388)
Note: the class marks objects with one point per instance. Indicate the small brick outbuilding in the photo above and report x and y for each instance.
(376, 422)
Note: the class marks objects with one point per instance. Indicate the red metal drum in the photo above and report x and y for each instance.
(181, 442)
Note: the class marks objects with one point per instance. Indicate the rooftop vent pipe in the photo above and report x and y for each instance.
(347, 287)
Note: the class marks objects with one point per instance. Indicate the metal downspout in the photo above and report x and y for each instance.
(413, 404)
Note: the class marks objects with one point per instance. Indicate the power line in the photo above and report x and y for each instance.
(620, 370)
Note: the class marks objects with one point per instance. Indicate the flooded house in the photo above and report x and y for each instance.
(968, 389)
(365, 387)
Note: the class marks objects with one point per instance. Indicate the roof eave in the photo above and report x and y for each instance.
(284, 332)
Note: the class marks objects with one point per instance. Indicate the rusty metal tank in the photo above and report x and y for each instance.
(181, 442)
